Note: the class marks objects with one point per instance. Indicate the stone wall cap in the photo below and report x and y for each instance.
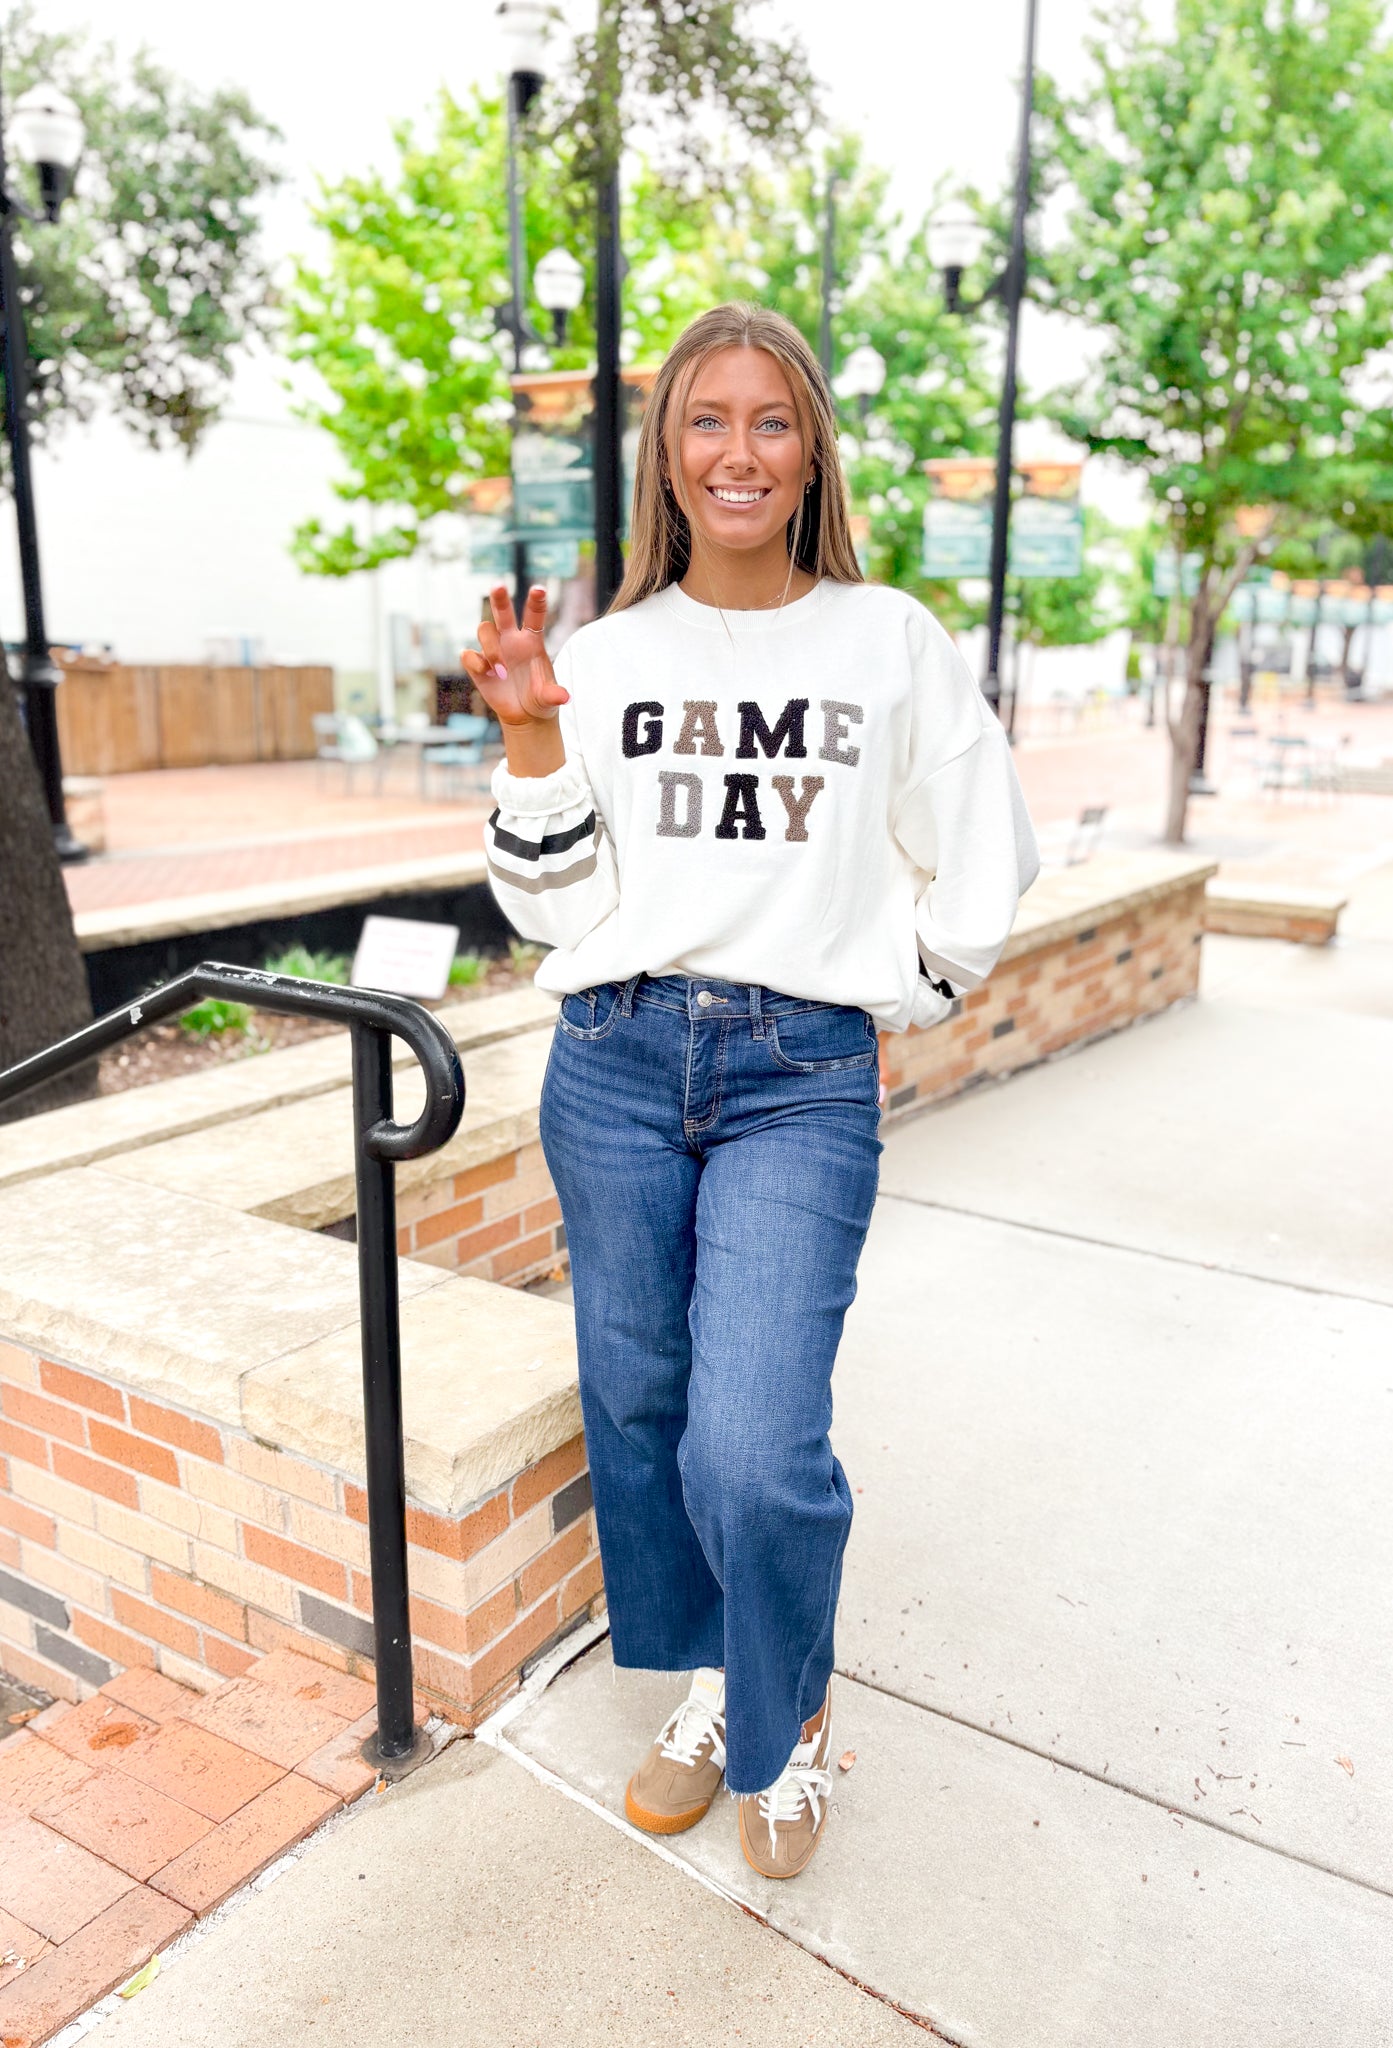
(176, 1296)
(489, 1386)
(255, 1327)
(1066, 901)
(136, 924)
(84, 1132)
(1234, 894)
(295, 1163)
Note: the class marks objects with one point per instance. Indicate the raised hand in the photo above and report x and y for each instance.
(512, 670)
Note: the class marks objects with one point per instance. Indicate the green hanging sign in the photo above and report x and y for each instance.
(1046, 537)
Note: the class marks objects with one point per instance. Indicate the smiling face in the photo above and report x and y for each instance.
(740, 452)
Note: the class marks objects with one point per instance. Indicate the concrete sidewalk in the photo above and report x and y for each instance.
(473, 1907)
(1114, 1658)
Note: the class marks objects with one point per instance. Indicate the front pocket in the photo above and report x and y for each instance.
(591, 1013)
(823, 1041)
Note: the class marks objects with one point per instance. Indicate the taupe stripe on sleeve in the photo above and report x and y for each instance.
(560, 878)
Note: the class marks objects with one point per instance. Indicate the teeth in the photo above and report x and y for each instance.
(737, 497)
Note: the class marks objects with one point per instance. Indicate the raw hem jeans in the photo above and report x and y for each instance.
(715, 1150)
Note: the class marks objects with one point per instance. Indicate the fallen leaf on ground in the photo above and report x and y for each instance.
(141, 1978)
(1345, 1764)
(18, 1720)
(846, 1759)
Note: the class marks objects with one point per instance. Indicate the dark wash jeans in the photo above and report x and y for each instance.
(715, 1150)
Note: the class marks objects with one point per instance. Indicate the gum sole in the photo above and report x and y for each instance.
(662, 1823)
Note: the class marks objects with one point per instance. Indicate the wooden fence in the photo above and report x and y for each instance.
(113, 718)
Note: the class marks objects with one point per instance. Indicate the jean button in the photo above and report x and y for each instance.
(705, 998)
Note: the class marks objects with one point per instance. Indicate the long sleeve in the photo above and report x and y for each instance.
(964, 824)
(551, 862)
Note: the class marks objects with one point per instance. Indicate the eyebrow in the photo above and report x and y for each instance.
(701, 404)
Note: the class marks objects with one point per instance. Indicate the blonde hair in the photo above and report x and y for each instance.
(819, 533)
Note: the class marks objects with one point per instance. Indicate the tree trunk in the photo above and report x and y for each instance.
(1185, 730)
(1346, 654)
(43, 986)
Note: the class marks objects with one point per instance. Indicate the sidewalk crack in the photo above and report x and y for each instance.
(1138, 1251)
(1115, 1784)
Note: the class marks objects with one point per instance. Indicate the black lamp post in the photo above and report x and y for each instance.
(46, 130)
(525, 27)
(608, 420)
(951, 251)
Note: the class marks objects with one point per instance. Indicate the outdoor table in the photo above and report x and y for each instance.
(423, 738)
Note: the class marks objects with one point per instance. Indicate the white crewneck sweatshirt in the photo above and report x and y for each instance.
(817, 799)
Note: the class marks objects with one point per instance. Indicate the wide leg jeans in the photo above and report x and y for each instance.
(715, 1150)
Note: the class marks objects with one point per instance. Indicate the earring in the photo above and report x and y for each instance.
(809, 484)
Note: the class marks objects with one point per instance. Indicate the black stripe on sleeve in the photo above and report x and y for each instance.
(533, 849)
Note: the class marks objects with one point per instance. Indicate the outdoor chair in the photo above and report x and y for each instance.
(1087, 832)
(1245, 756)
(466, 752)
(1287, 765)
(343, 737)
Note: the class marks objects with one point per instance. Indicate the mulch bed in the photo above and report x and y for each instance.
(164, 1052)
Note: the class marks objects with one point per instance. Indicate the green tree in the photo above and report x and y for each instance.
(136, 299)
(1232, 208)
(141, 293)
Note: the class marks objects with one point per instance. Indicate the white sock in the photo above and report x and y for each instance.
(709, 1686)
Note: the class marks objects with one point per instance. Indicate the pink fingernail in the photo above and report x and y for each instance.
(500, 672)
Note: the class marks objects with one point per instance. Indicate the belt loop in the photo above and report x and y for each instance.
(756, 1012)
(626, 1001)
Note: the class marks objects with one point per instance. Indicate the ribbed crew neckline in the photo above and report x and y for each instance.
(716, 620)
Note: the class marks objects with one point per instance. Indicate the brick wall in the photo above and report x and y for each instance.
(500, 1221)
(1046, 997)
(133, 1534)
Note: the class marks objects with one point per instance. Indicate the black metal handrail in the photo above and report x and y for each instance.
(373, 1021)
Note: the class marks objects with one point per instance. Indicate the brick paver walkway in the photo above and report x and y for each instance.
(131, 880)
(126, 1818)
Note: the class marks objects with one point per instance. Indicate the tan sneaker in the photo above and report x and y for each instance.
(781, 1827)
(673, 1787)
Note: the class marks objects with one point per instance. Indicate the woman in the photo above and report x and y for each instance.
(759, 810)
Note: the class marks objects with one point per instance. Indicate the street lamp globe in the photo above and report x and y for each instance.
(956, 238)
(559, 283)
(863, 373)
(46, 131)
(525, 24)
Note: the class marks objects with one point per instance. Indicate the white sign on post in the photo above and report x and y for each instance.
(404, 957)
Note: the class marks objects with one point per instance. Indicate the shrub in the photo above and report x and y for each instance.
(302, 965)
(467, 970)
(212, 1017)
(524, 956)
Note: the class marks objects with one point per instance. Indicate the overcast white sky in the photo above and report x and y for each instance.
(933, 88)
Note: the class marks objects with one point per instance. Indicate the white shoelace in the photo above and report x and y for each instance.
(685, 1730)
(796, 1783)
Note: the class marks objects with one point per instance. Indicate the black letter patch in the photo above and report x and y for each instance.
(652, 737)
(788, 733)
(742, 808)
